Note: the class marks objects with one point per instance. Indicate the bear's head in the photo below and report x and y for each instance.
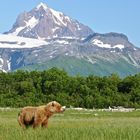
(55, 107)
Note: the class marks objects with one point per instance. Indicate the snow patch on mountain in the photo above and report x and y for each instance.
(99, 43)
(90, 60)
(16, 32)
(54, 29)
(32, 22)
(10, 41)
(9, 65)
(1, 61)
(1, 65)
(59, 16)
(45, 7)
(120, 46)
(62, 42)
(67, 18)
(133, 61)
(78, 27)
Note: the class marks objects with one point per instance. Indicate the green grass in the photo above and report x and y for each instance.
(75, 125)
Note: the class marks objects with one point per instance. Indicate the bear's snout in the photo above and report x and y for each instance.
(63, 108)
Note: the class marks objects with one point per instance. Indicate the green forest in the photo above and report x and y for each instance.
(22, 88)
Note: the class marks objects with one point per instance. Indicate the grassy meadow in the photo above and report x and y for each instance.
(75, 125)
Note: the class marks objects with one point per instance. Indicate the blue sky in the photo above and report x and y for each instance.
(122, 16)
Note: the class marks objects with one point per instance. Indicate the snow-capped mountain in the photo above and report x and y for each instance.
(44, 38)
(44, 22)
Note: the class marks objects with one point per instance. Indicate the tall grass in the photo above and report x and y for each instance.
(75, 125)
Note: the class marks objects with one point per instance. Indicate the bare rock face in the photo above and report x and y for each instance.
(44, 22)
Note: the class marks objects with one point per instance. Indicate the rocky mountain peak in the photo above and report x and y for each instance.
(42, 5)
(44, 22)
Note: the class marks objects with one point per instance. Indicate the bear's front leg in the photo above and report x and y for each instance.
(45, 123)
(21, 121)
(37, 123)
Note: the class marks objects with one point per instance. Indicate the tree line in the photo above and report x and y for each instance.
(22, 88)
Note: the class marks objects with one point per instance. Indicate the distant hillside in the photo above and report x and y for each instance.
(75, 66)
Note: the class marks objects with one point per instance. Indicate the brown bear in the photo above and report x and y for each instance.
(36, 116)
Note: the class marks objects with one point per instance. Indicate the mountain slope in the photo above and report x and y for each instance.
(76, 66)
(74, 55)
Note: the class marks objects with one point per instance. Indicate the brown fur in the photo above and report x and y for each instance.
(36, 116)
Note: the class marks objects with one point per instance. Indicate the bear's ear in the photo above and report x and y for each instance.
(52, 103)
